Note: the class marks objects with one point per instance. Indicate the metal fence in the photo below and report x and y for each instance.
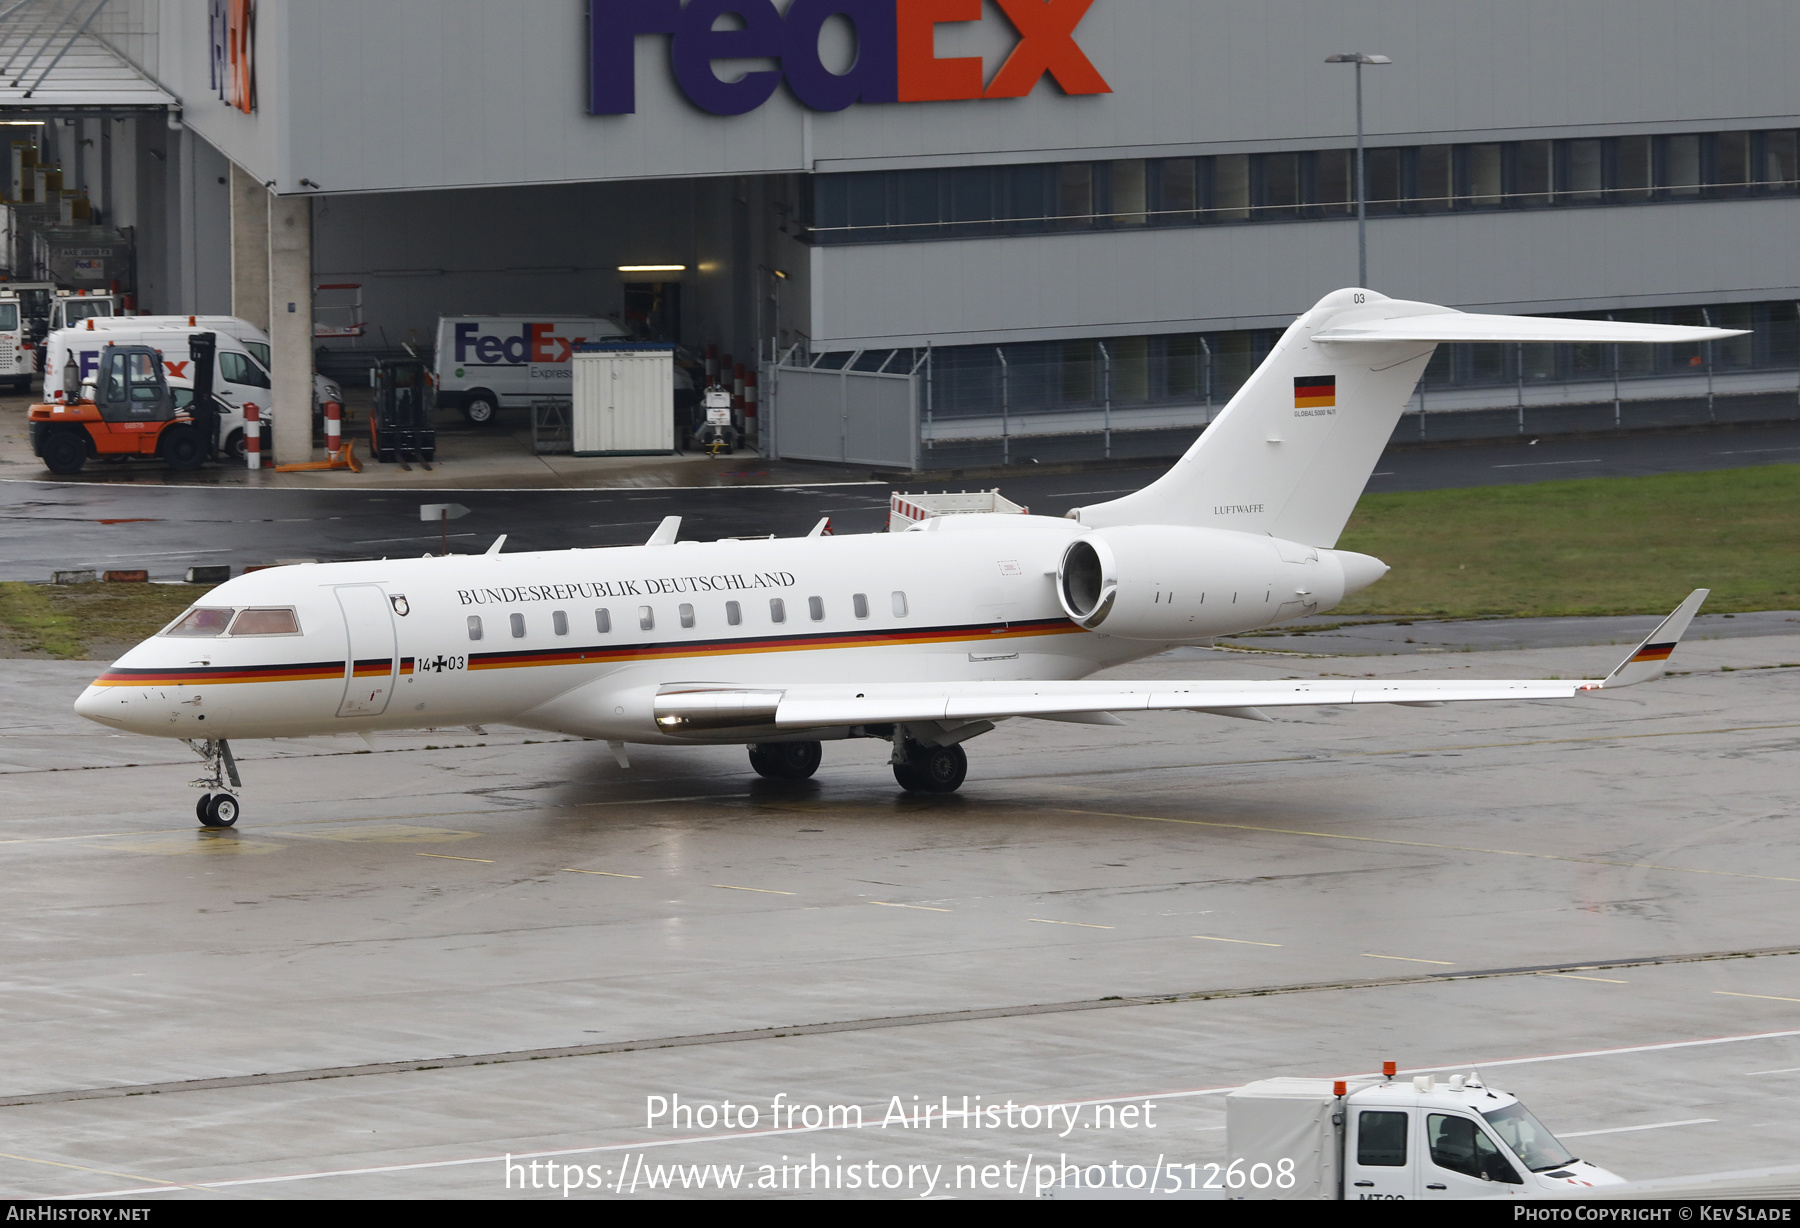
(845, 414)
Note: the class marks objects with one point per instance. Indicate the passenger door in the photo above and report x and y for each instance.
(370, 657)
(1375, 1161)
(1464, 1162)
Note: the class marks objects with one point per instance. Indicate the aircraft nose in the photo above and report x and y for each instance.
(103, 704)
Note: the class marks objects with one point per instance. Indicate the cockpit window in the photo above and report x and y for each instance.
(201, 621)
(266, 622)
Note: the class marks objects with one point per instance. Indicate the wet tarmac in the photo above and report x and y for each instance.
(409, 963)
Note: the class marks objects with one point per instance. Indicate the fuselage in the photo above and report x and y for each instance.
(580, 641)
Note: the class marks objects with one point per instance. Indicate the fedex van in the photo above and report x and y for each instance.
(72, 358)
(489, 363)
(253, 339)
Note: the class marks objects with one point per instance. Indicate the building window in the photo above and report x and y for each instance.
(603, 621)
(474, 626)
(815, 606)
(777, 610)
(899, 605)
(559, 622)
(734, 613)
(859, 604)
(972, 201)
(518, 625)
(646, 618)
(687, 615)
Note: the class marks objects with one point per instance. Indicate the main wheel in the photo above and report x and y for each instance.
(932, 769)
(221, 810)
(481, 408)
(786, 760)
(200, 805)
(65, 452)
(182, 448)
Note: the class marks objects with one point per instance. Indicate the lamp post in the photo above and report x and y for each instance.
(1359, 58)
(778, 276)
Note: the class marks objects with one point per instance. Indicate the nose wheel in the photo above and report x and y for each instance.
(216, 806)
(216, 810)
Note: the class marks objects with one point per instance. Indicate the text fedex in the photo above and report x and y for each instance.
(896, 58)
(534, 343)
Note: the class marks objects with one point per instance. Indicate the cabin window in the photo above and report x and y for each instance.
(201, 621)
(815, 606)
(777, 610)
(687, 614)
(603, 621)
(266, 622)
(518, 625)
(474, 626)
(559, 622)
(646, 618)
(734, 613)
(860, 604)
(899, 605)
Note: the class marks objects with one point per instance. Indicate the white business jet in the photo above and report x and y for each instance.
(925, 638)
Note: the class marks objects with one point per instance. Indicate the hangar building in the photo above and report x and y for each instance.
(1058, 217)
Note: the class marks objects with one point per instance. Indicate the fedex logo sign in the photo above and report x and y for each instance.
(896, 58)
(534, 343)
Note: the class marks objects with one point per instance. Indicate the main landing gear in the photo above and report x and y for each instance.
(216, 807)
(918, 768)
(929, 769)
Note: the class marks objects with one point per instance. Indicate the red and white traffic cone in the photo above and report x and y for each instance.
(252, 436)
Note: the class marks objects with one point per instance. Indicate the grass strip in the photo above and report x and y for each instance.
(1633, 545)
(83, 621)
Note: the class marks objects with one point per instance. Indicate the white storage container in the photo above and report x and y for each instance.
(623, 399)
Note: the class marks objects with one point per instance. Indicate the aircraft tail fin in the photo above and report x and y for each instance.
(1650, 658)
(1290, 454)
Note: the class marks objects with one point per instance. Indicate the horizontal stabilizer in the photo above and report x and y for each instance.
(1450, 326)
(1651, 658)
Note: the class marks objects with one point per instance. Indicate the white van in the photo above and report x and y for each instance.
(238, 379)
(252, 338)
(489, 363)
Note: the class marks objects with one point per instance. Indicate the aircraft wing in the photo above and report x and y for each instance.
(706, 706)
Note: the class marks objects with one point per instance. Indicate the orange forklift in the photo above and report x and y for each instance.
(129, 411)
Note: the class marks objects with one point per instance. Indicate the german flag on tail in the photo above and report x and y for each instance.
(1315, 391)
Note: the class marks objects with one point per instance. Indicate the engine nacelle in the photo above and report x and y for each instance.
(1168, 584)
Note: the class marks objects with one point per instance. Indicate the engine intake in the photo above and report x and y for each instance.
(1171, 584)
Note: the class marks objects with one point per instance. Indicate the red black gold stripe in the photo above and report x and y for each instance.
(1652, 652)
(595, 654)
(986, 634)
(312, 671)
(1315, 391)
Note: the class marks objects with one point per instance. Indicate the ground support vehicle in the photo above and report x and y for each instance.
(16, 348)
(400, 425)
(127, 411)
(1375, 1139)
(489, 363)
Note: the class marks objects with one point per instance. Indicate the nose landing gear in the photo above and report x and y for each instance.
(216, 807)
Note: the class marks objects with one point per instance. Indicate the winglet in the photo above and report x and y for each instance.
(1649, 660)
(665, 532)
